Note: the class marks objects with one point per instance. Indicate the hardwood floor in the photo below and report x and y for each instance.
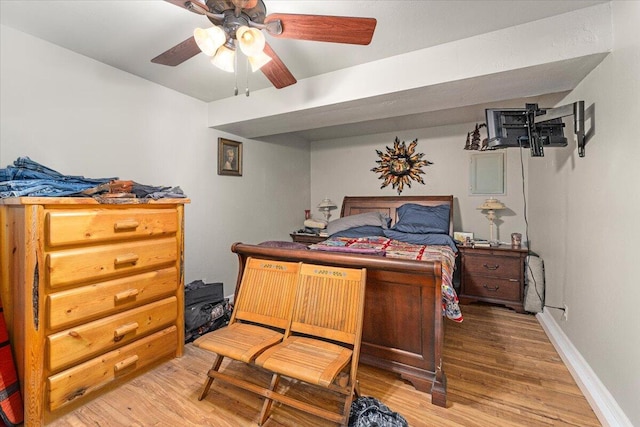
(501, 371)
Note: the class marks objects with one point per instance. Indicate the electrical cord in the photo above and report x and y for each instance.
(526, 224)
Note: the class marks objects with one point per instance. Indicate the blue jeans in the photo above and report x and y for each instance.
(29, 178)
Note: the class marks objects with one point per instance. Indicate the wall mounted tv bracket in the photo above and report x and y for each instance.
(536, 115)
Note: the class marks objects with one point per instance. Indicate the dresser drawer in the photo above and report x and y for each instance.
(83, 379)
(491, 287)
(506, 267)
(80, 304)
(102, 335)
(71, 227)
(71, 266)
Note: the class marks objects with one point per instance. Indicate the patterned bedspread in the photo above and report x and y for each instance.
(384, 246)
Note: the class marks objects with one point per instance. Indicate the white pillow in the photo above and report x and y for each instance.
(347, 222)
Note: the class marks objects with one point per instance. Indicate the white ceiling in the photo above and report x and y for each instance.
(126, 34)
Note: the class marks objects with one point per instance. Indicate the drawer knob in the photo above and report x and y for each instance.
(129, 293)
(131, 360)
(492, 289)
(126, 225)
(123, 330)
(126, 259)
(491, 267)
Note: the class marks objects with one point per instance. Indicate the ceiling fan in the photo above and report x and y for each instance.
(242, 22)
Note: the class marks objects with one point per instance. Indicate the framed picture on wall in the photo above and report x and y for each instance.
(229, 157)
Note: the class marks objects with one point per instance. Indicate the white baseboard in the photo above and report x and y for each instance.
(602, 402)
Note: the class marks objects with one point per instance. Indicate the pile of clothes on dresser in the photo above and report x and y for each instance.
(27, 178)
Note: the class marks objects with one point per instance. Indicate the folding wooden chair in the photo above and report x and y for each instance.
(261, 314)
(322, 346)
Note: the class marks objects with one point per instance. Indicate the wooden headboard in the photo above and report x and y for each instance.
(353, 205)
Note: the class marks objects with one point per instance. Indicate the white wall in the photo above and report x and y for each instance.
(342, 167)
(583, 219)
(82, 117)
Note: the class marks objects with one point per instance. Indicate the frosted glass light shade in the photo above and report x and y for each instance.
(258, 61)
(492, 204)
(327, 204)
(325, 207)
(210, 39)
(224, 59)
(251, 40)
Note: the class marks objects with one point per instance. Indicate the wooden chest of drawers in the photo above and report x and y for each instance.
(93, 294)
(494, 275)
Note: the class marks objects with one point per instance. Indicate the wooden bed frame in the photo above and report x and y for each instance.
(403, 322)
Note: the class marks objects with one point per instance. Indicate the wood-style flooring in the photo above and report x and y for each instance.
(500, 366)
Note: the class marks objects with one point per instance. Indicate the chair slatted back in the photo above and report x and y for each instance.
(329, 303)
(267, 292)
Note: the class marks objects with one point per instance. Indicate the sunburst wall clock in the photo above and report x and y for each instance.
(400, 164)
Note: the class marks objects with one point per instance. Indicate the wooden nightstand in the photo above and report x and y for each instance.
(494, 275)
(307, 239)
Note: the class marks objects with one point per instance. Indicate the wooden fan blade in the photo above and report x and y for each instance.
(183, 3)
(322, 28)
(275, 70)
(178, 54)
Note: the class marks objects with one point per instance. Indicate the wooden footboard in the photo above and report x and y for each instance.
(403, 323)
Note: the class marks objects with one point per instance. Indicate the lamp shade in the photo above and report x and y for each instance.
(224, 59)
(251, 40)
(327, 204)
(492, 204)
(210, 39)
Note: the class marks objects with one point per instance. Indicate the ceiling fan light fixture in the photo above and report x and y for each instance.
(251, 40)
(224, 59)
(210, 39)
(258, 61)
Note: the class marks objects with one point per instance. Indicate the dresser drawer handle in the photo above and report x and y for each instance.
(129, 293)
(127, 224)
(126, 259)
(131, 360)
(491, 289)
(491, 267)
(123, 330)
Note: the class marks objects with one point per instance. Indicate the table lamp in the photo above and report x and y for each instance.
(325, 207)
(492, 205)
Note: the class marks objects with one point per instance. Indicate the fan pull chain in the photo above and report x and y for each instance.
(235, 73)
(246, 90)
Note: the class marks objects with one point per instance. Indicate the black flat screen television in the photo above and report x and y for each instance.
(507, 127)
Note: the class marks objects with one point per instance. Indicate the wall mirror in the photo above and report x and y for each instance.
(487, 173)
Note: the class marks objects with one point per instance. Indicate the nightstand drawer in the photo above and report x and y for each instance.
(504, 267)
(491, 287)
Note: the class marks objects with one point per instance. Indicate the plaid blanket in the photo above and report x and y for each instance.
(390, 248)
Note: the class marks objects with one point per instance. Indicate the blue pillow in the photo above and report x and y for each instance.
(362, 231)
(422, 239)
(413, 218)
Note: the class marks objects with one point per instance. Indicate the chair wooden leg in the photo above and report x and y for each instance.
(355, 393)
(266, 406)
(207, 385)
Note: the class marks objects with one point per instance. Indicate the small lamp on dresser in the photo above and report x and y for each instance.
(325, 207)
(492, 205)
